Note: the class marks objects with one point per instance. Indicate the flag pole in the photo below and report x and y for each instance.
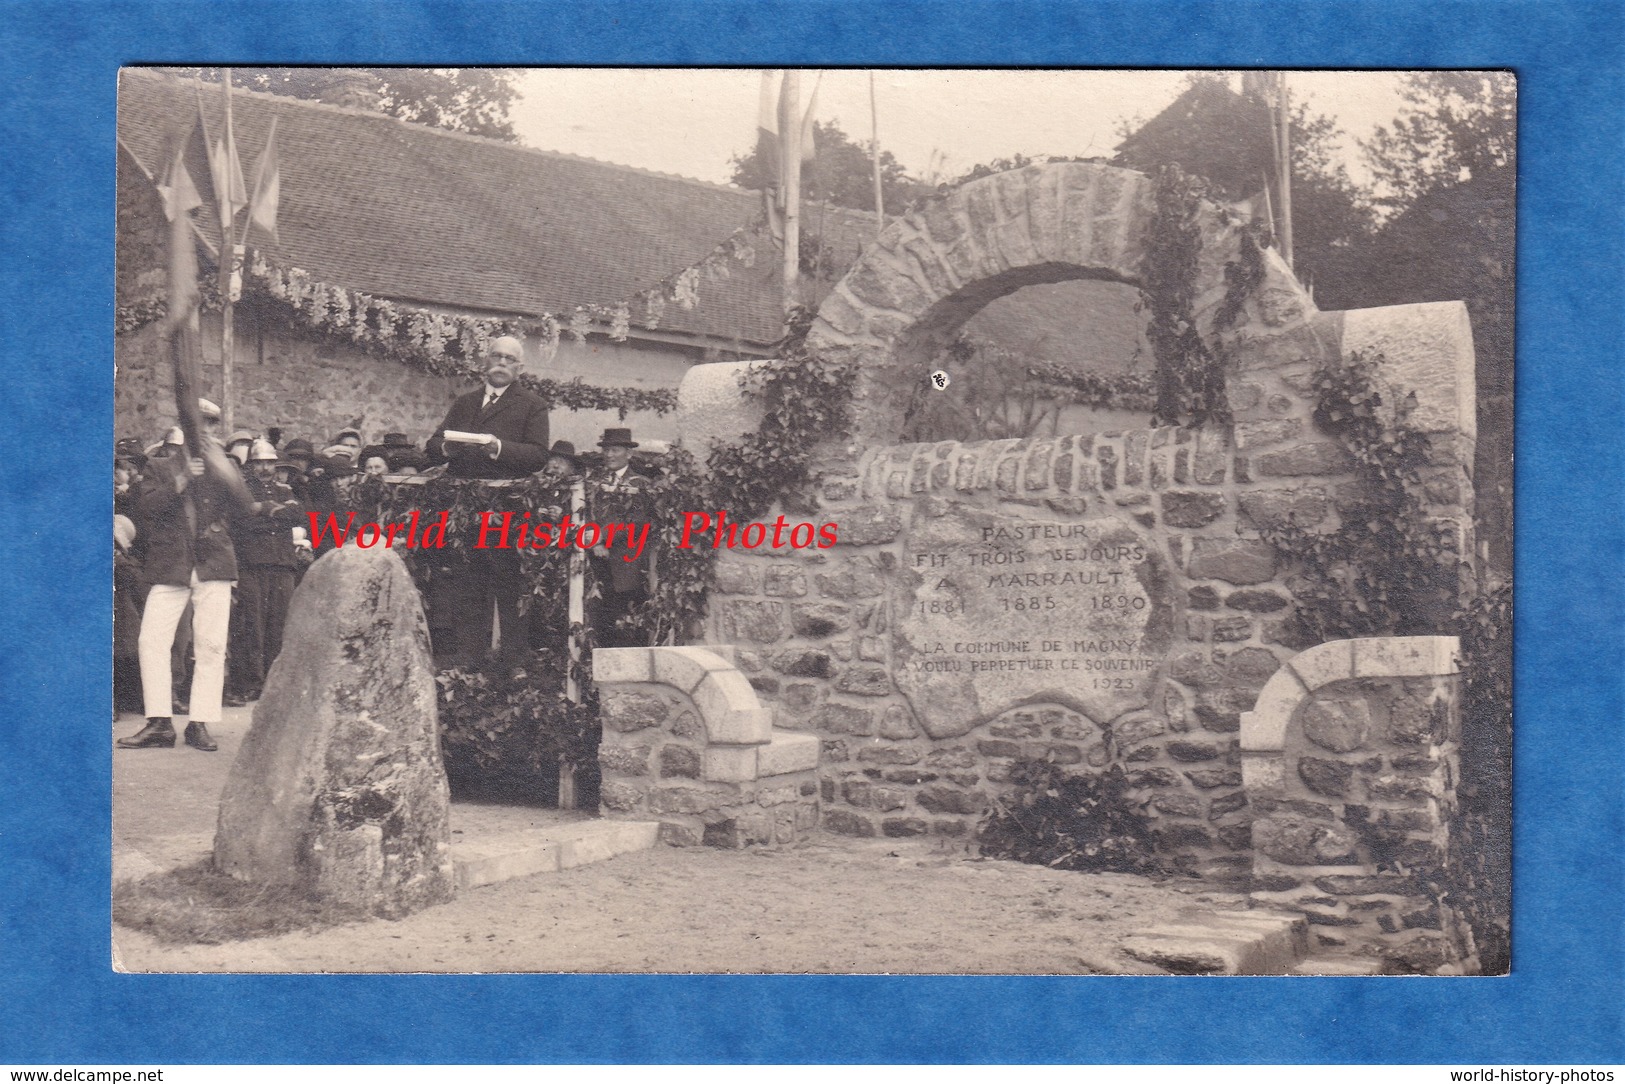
(228, 270)
(874, 154)
(576, 619)
(790, 140)
(1285, 146)
(181, 329)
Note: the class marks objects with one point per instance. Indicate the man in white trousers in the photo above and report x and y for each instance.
(184, 504)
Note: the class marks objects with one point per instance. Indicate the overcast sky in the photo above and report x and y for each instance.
(692, 122)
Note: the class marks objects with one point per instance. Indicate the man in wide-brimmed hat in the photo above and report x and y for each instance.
(506, 424)
(185, 503)
(562, 463)
(618, 494)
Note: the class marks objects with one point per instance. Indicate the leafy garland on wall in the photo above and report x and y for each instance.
(1190, 376)
(442, 344)
(1386, 570)
(1097, 387)
(450, 344)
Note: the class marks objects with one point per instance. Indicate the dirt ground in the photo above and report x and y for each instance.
(827, 905)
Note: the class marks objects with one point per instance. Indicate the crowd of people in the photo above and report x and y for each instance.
(219, 531)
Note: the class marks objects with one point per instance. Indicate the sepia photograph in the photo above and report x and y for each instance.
(891, 521)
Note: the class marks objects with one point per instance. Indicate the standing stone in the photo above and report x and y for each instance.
(339, 788)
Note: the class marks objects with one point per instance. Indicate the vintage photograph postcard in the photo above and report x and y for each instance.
(897, 521)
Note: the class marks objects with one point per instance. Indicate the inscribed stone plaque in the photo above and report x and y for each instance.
(994, 610)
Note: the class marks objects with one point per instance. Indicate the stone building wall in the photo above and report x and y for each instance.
(313, 388)
(310, 389)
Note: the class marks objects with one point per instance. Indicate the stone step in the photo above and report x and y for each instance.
(1224, 943)
(787, 751)
(492, 857)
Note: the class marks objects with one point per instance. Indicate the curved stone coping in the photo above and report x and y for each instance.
(1264, 728)
(712, 406)
(727, 704)
(1427, 350)
(741, 745)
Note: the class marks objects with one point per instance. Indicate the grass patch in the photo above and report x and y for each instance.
(198, 905)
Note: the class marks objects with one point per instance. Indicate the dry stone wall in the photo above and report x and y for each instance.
(312, 388)
(1088, 600)
(1350, 762)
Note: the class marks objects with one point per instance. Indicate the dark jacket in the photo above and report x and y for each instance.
(626, 501)
(266, 537)
(186, 531)
(518, 420)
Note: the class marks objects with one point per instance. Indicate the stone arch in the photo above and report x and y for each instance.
(936, 267)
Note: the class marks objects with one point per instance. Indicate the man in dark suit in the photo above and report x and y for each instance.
(503, 409)
(515, 420)
(618, 494)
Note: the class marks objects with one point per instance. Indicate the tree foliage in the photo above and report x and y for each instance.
(1455, 126)
(841, 173)
(1223, 136)
(472, 100)
(1448, 169)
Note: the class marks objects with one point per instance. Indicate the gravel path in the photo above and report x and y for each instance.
(827, 905)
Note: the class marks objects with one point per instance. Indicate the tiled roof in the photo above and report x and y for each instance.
(416, 213)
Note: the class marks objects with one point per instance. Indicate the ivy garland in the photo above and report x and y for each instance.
(673, 614)
(1386, 570)
(1190, 376)
(807, 400)
(1097, 388)
(495, 732)
(1190, 379)
(436, 343)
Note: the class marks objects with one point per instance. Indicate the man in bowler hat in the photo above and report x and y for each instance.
(618, 494)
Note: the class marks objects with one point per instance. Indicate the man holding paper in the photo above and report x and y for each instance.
(498, 431)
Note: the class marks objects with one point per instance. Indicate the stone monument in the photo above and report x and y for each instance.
(1091, 598)
(339, 787)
